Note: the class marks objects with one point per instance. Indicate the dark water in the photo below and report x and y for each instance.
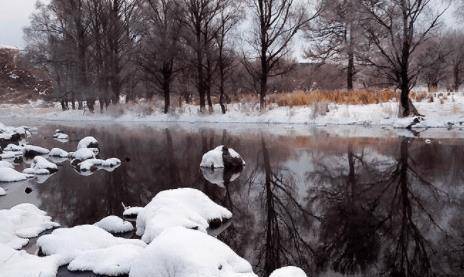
(331, 205)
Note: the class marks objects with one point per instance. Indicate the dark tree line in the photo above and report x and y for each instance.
(203, 51)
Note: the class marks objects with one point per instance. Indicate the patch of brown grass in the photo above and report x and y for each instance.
(355, 97)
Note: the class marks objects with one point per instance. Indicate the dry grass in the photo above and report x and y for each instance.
(301, 98)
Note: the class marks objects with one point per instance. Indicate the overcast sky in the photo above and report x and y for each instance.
(14, 16)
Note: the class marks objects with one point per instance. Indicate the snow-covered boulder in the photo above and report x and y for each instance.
(6, 164)
(222, 157)
(32, 151)
(90, 248)
(131, 213)
(8, 174)
(88, 142)
(58, 152)
(13, 148)
(2, 191)
(288, 271)
(112, 162)
(115, 225)
(60, 135)
(22, 222)
(82, 155)
(40, 166)
(20, 263)
(185, 207)
(89, 165)
(7, 155)
(179, 252)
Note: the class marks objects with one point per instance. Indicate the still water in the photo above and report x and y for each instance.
(329, 204)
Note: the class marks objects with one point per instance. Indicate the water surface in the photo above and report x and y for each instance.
(326, 203)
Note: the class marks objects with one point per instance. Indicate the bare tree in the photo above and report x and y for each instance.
(277, 22)
(336, 35)
(433, 62)
(455, 59)
(395, 29)
(160, 44)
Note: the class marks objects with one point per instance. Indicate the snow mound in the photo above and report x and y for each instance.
(185, 207)
(83, 154)
(7, 155)
(115, 225)
(57, 152)
(40, 166)
(179, 252)
(13, 148)
(60, 135)
(88, 247)
(288, 271)
(22, 222)
(90, 164)
(2, 191)
(132, 212)
(10, 175)
(32, 151)
(220, 157)
(6, 164)
(220, 176)
(112, 162)
(88, 142)
(20, 263)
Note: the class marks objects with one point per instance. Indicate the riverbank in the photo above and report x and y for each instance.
(443, 112)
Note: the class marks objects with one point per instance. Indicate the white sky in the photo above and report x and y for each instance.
(14, 16)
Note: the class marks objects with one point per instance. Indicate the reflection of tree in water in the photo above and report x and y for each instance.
(395, 206)
(286, 223)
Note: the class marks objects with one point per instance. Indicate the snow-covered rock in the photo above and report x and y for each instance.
(20, 263)
(131, 212)
(32, 151)
(288, 271)
(6, 164)
(90, 164)
(10, 175)
(58, 152)
(112, 162)
(88, 247)
(7, 155)
(222, 156)
(179, 252)
(2, 191)
(22, 222)
(185, 207)
(83, 154)
(60, 135)
(115, 225)
(13, 148)
(88, 142)
(40, 166)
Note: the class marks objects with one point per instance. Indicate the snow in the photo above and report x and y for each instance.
(90, 164)
(186, 207)
(216, 176)
(59, 135)
(88, 247)
(20, 263)
(288, 271)
(83, 154)
(180, 252)
(10, 175)
(57, 152)
(2, 191)
(115, 225)
(213, 158)
(32, 149)
(87, 142)
(22, 222)
(6, 164)
(438, 114)
(40, 166)
(7, 155)
(132, 212)
(13, 148)
(112, 162)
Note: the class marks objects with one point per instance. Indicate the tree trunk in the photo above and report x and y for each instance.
(350, 71)
(166, 92)
(457, 78)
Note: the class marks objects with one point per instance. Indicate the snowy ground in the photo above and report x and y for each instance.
(443, 112)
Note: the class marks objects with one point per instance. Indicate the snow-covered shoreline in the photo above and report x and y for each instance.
(444, 112)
